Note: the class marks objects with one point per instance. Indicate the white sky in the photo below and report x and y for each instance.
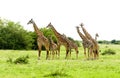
(98, 16)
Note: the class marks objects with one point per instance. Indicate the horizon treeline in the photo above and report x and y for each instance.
(14, 36)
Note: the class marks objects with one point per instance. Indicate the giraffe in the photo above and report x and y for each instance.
(95, 44)
(41, 40)
(87, 44)
(72, 45)
(53, 47)
(60, 40)
(96, 35)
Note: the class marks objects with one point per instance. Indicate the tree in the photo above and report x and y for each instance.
(113, 41)
(49, 32)
(13, 36)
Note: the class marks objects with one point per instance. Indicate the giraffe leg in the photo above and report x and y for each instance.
(53, 53)
(66, 54)
(85, 53)
(47, 47)
(58, 51)
(76, 53)
(70, 53)
(47, 55)
(94, 54)
(39, 48)
(97, 54)
(67, 51)
(50, 54)
(91, 53)
(88, 53)
(39, 52)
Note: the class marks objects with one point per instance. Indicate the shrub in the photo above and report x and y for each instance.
(9, 60)
(109, 52)
(21, 60)
(58, 73)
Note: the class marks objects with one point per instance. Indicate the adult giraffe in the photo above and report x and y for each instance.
(41, 40)
(60, 40)
(95, 44)
(87, 44)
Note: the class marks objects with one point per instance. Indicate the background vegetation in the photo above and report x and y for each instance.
(13, 36)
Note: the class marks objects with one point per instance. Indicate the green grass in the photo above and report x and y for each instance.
(108, 66)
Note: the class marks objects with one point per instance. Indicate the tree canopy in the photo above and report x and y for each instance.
(13, 36)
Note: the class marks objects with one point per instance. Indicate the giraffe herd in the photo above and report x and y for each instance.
(53, 49)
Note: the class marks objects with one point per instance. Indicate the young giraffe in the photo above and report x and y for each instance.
(41, 40)
(60, 39)
(87, 44)
(53, 47)
(95, 44)
(72, 46)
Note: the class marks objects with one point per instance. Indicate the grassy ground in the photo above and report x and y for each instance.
(108, 66)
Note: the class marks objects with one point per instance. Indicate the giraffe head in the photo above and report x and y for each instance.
(31, 21)
(81, 24)
(64, 36)
(96, 35)
(49, 25)
(77, 27)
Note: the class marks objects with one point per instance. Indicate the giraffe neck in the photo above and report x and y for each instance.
(51, 41)
(38, 32)
(96, 38)
(81, 35)
(56, 33)
(89, 36)
(86, 33)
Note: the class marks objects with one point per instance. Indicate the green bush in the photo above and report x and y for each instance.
(109, 52)
(21, 60)
(14, 36)
(57, 73)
